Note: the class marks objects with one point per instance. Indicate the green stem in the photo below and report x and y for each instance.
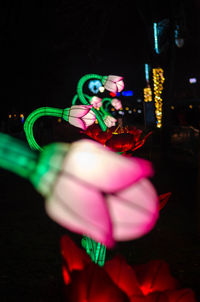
(40, 168)
(40, 112)
(83, 99)
(108, 102)
(16, 156)
(95, 250)
(75, 98)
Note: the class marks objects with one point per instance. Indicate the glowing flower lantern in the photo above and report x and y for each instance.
(124, 188)
(82, 194)
(116, 103)
(80, 116)
(110, 83)
(121, 140)
(117, 280)
(97, 134)
(110, 121)
(96, 102)
(113, 83)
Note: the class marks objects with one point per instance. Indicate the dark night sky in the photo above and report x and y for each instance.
(45, 50)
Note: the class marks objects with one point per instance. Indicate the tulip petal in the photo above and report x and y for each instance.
(96, 102)
(134, 211)
(79, 110)
(77, 122)
(114, 83)
(114, 78)
(111, 86)
(89, 118)
(80, 209)
(103, 169)
(116, 104)
(120, 86)
(110, 121)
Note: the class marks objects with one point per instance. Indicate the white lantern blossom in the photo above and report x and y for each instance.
(96, 102)
(116, 104)
(114, 83)
(81, 116)
(110, 121)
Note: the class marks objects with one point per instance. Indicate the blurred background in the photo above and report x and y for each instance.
(45, 49)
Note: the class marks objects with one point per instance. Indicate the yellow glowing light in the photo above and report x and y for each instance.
(127, 108)
(190, 106)
(112, 109)
(14, 115)
(158, 80)
(21, 115)
(10, 116)
(147, 94)
(134, 110)
(59, 120)
(172, 107)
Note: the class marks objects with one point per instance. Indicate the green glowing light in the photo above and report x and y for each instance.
(16, 157)
(40, 168)
(95, 250)
(105, 102)
(36, 114)
(48, 167)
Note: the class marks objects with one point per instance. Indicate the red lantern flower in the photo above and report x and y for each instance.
(97, 134)
(163, 198)
(121, 140)
(117, 281)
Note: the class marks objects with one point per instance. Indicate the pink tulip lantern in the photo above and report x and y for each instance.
(103, 195)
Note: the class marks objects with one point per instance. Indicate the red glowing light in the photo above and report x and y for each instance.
(118, 281)
(112, 94)
(123, 140)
